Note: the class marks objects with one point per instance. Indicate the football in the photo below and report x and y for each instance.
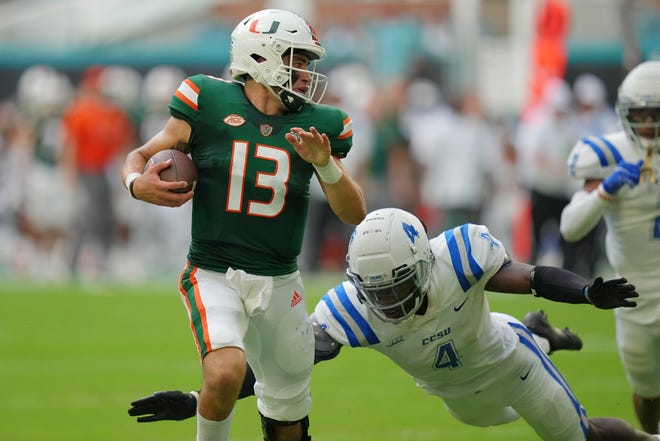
(181, 169)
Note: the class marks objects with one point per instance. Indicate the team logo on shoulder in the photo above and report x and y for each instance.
(265, 129)
(234, 120)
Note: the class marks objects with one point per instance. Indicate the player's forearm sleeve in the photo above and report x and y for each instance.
(581, 215)
(559, 285)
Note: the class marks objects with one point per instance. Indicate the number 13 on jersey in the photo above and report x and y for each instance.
(276, 182)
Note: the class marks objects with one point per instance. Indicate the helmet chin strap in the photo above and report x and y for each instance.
(291, 102)
(647, 173)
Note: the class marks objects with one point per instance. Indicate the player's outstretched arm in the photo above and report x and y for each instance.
(169, 405)
(560, 285)
(178, 405)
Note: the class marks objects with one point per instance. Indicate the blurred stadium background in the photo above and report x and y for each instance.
(441, 93)
(399, 68)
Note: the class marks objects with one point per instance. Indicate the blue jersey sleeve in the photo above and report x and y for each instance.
(343, 317)
(475, 254)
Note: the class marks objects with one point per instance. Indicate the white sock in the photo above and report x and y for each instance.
(208, 430)
(543, 343)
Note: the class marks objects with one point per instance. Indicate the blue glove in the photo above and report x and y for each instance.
(625, 173)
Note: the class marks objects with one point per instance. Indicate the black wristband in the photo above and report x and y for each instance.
(130, 188)
(559, 285)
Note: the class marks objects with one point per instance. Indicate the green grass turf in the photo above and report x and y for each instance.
(72, 358)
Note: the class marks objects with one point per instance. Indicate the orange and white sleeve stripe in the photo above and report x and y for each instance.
(347, 132)
(188, 92)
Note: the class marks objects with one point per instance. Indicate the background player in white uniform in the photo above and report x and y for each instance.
(422, 303)
(611, 167)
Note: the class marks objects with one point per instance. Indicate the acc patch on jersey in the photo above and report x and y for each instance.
(234, 120)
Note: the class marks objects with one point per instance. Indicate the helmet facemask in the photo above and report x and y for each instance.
(399, 298)
(287, 75)
(642, 124)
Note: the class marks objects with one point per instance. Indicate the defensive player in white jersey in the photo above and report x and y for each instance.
(620, 185)
(423, 304)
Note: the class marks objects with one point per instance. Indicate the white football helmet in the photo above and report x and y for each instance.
(638, 105)
(389, 262)
(261, 40)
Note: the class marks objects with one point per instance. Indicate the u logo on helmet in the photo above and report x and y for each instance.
(273, 27)
(315, 36)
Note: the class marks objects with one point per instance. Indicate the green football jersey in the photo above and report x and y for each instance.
(252, 195)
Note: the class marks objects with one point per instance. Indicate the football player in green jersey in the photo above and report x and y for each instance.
(256, 142)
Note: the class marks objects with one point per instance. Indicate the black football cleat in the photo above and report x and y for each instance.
(559, 339)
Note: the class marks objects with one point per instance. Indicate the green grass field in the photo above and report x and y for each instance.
(72, 358)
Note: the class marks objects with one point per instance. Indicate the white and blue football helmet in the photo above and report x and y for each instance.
(638, 105)
(389, 262)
